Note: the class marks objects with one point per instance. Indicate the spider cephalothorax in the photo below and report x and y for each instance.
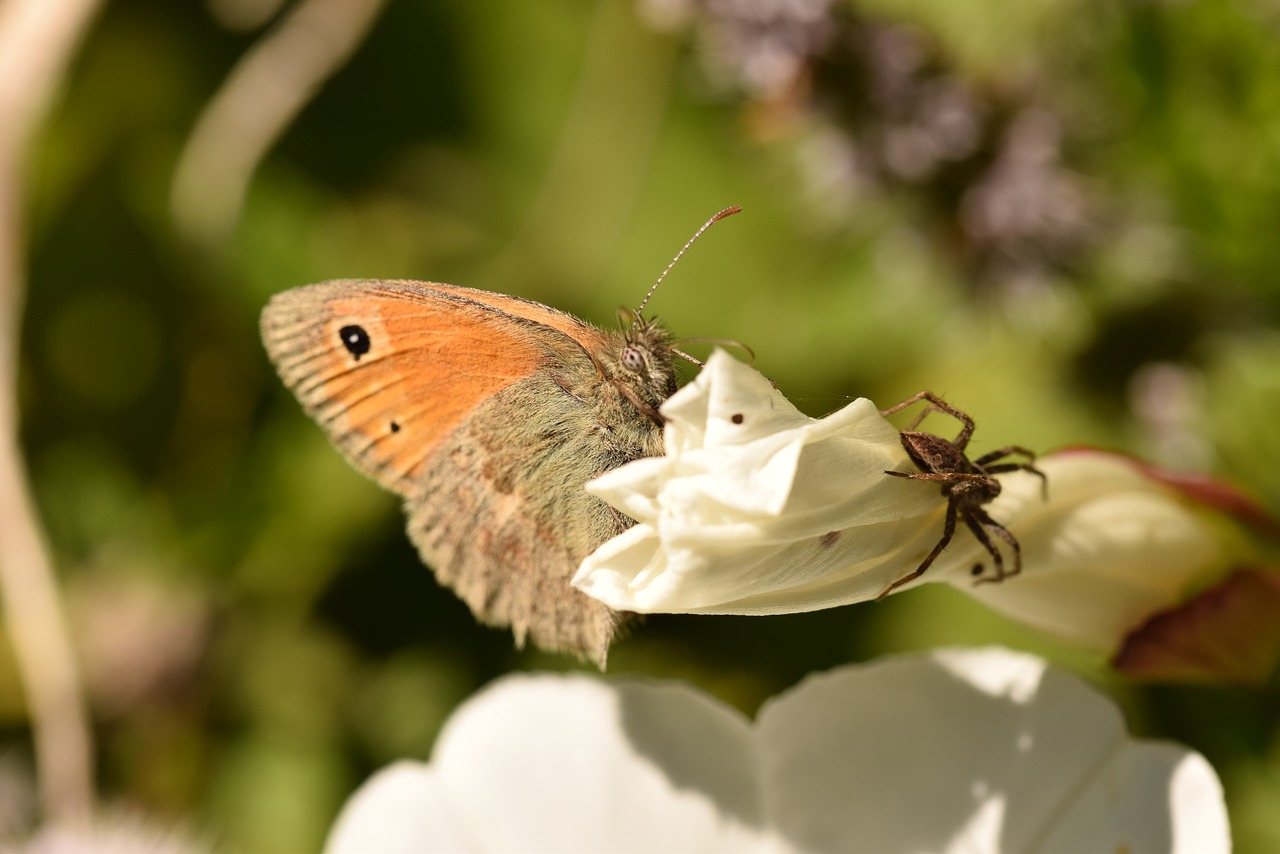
(966, 484)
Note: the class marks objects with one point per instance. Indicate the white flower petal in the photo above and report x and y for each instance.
(759, 509)
(1147, 797)
(402, 808)
(530, 769)
(975, 750)
(1109, 548)
(966, 750)
(626, 487)
(569, 763)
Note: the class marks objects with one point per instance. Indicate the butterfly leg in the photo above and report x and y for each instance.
(643, 406)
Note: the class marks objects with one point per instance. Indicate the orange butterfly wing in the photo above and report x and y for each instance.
(390, 368)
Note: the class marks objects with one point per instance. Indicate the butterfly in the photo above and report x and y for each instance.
(486, 414)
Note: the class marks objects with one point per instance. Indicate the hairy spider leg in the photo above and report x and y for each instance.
(984, 462)
(975, 518)
(981, 524)
(948, 531)
(936, 404)
(952, 476)
(1007, 451)
(979, 532)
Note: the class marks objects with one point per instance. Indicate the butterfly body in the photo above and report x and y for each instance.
(487, 414)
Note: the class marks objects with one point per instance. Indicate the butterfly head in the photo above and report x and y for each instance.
(643, 367)
(643, 359)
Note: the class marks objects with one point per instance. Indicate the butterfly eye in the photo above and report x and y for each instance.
(632, 359)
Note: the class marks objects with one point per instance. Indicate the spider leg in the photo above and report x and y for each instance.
(1006, 451)
(898, 407)
(982, 524)
(980, 533)
(936, 404)
(948, 531)
(1027, 467)
(952, 476)
(924, 413)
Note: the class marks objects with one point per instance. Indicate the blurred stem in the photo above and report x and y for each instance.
(606, 140)
(263, 94)
(37, 40)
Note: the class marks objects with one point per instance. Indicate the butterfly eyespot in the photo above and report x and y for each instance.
(737, 418)
(355, 339)
(632, 359)
(395, 427)
(976, 569)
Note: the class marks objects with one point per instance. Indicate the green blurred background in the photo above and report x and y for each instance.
(1061, 214)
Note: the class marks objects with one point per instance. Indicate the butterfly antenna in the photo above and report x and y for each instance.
(729, 211)
(727, 342)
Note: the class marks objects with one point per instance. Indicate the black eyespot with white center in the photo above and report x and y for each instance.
(632, 359)
(355, 339)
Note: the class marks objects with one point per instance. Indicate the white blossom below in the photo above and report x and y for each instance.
(961, 751)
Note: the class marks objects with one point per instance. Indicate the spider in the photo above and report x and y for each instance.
(966, 484)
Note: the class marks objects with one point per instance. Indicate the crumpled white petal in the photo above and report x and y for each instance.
(756, 508)
(964, 750)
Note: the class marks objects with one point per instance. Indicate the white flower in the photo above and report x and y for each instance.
(756, 508)
(1109, 549)
(963, 750)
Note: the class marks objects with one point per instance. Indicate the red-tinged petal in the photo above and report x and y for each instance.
(1105, 551)
(1202, 489)
(1228, 633)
